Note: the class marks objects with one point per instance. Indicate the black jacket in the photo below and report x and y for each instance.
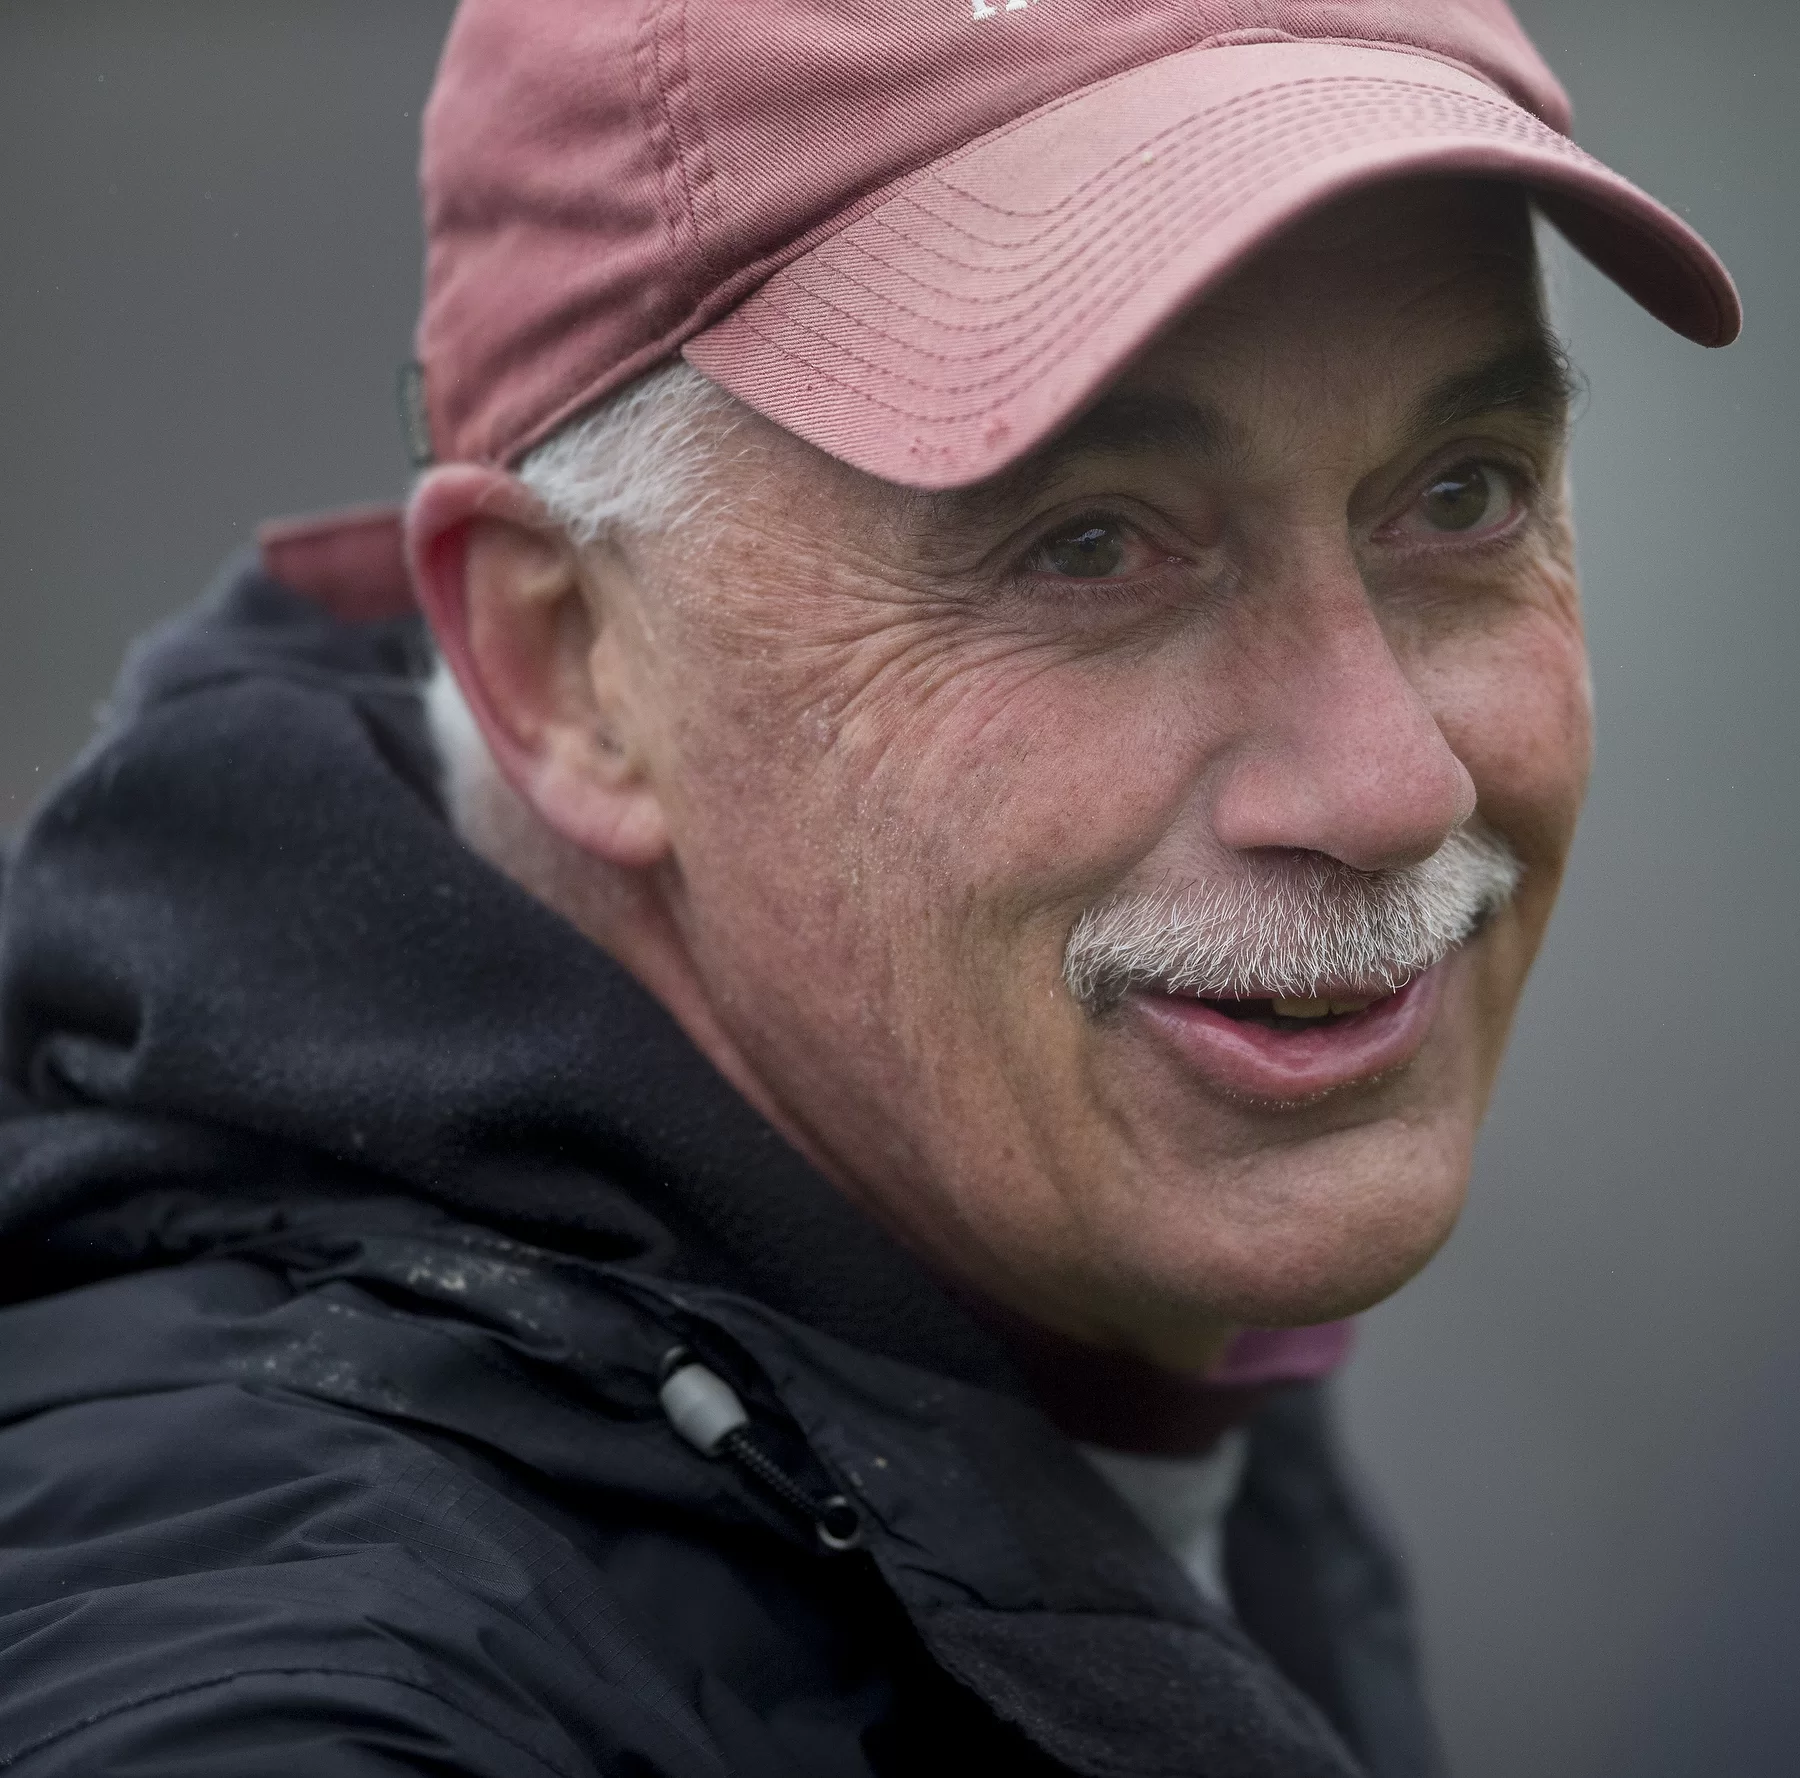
(350, 1207)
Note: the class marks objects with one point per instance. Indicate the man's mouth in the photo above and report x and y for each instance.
(1275, 1013)
(1287, 1049)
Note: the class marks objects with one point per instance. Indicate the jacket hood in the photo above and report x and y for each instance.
(243, 952)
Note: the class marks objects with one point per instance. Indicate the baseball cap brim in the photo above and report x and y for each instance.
(968, 311)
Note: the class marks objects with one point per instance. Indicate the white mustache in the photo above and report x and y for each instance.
(1296, 927)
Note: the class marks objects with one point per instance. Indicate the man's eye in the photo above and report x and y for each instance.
(1470, 497)
(1091, 551)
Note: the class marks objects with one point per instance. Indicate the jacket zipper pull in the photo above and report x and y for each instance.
(707, 1413)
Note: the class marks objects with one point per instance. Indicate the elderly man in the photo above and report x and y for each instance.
(753, 1166)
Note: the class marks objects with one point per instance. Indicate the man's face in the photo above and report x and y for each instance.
(1298, 589)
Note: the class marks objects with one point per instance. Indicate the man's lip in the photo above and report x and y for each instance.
(1253, 1061)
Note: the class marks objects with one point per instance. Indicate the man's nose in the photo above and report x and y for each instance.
(1338, 752)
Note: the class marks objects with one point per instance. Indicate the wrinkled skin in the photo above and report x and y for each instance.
(851, 765)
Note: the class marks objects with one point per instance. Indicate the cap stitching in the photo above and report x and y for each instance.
(1515, 117)
(699, 178)
(665, 141)
(1226, 201)
(1025, 349)
(1526, 131)
(1498, 121)
(1051, 106)
(1178, 158)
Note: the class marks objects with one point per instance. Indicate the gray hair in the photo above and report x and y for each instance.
(640, 462)
(1292, 928)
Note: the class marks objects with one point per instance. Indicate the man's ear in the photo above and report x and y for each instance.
(533, 645)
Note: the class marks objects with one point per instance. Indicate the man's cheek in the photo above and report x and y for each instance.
(1520, 718)
(1048, 783)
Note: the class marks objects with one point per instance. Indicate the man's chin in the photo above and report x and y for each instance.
(1302, 1231)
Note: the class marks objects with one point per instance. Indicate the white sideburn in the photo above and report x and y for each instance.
(1183, 1502)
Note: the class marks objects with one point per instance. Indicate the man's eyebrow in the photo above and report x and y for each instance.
(1126, 423)
(1531, 377)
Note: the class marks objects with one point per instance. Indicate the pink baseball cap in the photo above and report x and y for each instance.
(924, 236)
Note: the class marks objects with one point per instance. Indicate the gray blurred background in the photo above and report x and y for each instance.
(1586, 1416)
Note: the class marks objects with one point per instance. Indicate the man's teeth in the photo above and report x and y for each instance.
(1318, 1009)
